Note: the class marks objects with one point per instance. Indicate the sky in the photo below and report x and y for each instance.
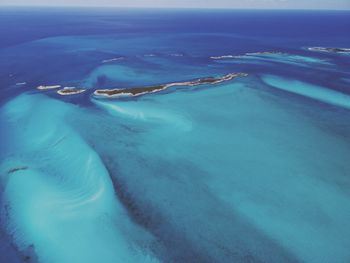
(264, 4)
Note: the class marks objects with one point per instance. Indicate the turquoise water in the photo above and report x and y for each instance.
(251, 170)
(69, 212)
(308, 90)
(267, 166)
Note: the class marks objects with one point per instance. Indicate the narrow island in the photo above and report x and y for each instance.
(225, 56)
(264, 53)
(41, 87)
(330, 49)
(112, 59)
(247, 54)
(70, 91)
(156, 88)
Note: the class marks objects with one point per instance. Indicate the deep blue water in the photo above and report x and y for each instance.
(251, 170)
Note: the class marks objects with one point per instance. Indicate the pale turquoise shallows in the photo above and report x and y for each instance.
(272, 164)
(309, 90)
(62, 201)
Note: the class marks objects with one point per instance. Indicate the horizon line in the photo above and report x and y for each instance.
(169, 8)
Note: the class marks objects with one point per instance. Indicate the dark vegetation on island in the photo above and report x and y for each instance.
(70, 91)
(114, 92)
(151, 89)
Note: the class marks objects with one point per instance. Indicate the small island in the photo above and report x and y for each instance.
(264, 53)
(247, 54)
(156, 88)
(42, 87)
(330, 49)
(225, 57)
(112, 59)
(70, 91)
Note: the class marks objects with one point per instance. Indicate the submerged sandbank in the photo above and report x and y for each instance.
(311, 91)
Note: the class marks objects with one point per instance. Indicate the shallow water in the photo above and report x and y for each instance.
(251, 170)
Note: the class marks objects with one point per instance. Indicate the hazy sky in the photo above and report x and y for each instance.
(289, 4)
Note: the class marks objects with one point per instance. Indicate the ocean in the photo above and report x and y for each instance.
(209, 169)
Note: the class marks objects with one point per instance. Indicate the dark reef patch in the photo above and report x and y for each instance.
(16, 169)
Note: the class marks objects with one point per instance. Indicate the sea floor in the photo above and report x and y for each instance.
(255, 169)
